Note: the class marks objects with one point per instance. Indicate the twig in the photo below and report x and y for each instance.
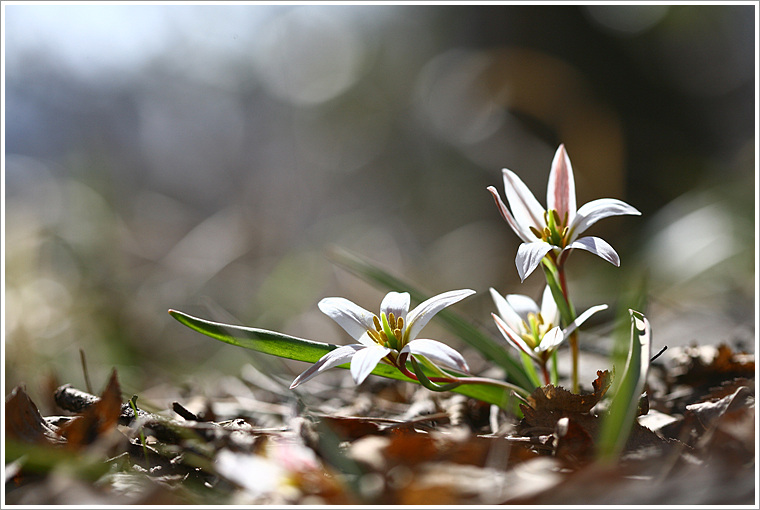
(85, 371)
(658, 354)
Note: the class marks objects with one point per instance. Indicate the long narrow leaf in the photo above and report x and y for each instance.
(299, 349)
(490, 349)
(625, 394)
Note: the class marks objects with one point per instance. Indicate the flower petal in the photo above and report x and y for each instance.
(350, 316)
(522, 305)
(396, 303)
(524, 234)
(366, 360)
(582, 318)
(422, 313)
(513, 319)
(549, 310)
(331, 359)
(513, 338)
(437, 352)
(560, 192)
(591, 212)
(597, 246)
(525, 208)
(551, 339)
(529, 256)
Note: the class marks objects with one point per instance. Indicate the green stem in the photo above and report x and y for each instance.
(530, 368)
(555, 369)
(494, 382)
(557, 282)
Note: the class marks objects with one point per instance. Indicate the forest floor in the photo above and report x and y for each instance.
(389, 443)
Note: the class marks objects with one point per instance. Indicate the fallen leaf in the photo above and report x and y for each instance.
(24, 422)
(575, 446)
(96, 419)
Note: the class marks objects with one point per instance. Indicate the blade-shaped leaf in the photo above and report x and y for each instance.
(299, 349)
(625, 394)
(488, 347)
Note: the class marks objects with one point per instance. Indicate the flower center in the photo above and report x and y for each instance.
(556, 230)
(535, 329)
(389, 331)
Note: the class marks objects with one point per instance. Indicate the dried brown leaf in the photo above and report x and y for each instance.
(547, 404)
(24, 422)
(575, 446)
(96, 419)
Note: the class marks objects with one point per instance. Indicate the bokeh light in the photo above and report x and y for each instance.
(208, 157)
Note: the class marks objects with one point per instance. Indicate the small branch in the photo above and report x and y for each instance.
(85, 371)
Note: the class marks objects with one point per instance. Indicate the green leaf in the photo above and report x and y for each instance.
(490, 349)
(299, 349)
(626, 392)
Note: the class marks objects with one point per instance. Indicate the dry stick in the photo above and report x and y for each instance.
(85, 371)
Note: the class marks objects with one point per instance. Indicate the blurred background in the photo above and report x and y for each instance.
(209, 159)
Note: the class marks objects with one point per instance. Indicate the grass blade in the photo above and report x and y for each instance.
(625, 394)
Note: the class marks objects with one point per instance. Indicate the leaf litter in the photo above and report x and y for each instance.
(388, 443)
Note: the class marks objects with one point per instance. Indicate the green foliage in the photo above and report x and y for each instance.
(290, 347)
(627, 390)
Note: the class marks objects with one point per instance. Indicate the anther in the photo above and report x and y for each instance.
(536, 232)
(556, 217)
(376, 321)
(391, 320)
(400, 323)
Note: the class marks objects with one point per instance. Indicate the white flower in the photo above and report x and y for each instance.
(557, 228)
(385, 337)
(533, 330)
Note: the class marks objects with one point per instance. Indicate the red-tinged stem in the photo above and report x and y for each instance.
(545, 372)
(467, 380)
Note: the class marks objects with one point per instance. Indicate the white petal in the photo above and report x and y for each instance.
(513, 338)
(506, 311)
(582, 318)
(551, 339)
(366, 340)
(524, 234)
(396, 303)
(331, 359)
(560, 192)
(437, 352)
(549, 310)
(529, 256)
(525, 208)
(365, 361)
(422, 313)
(597, 246)
(522, 305)
(596, 210)
(350, 316)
